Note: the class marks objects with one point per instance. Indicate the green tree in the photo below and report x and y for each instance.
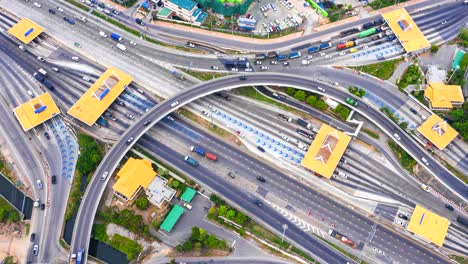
(300, 95)
(211, 242)
(99, 232)
(242, 231)
(240, 218)
(321, 104)
(162, 171)
(457, 114)
(290, 91)
(142, 203)
(230, 214)
(187, 246)
(434, 48)
(311, 100)
(174, 184)
(203, 234)
(222, 210)
(155, 224)
(212, 212)
(198, 246)
(342, 111)
(195, 233)
(404, 125)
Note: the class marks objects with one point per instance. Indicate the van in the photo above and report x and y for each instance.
(342, 174)
(424, 160)
(174, 104)
(188, 206)
(30, 93)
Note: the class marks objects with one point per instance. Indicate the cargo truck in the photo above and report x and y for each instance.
(80, 256)
(304, 123)
(285, 118)
(346, 45)
(342, 238)
(367, 32)
(39, 76)
(313, 49)
(121, 47)
(198, 150)
(368, 25)
(43, 72)
(191, 161)
(102, 121)
(349, 32)
(116, 37)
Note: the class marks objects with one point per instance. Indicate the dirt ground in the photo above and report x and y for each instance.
(13, 242)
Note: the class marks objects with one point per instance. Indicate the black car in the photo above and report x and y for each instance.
(259, 178)
(102, 5)
(54, 179)
(52, 11)
(33, 237)
(42, 206)
(243, 78)
(412, 110)
(230, 174)
(402, 216)
(261, 149)
(47, 135)
(449, 207)
(258, 203)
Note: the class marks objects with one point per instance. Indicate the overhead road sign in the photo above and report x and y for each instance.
(428, 225)
(100, 96)
(437, 131)
(36, 111)
(326, 151)
(25, 30)
(407, 32)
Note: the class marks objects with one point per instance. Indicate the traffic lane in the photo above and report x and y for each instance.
(245, 201)
(228, 260)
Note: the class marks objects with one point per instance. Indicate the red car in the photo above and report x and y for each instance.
(211, 156)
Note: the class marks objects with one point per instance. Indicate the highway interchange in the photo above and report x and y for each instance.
(244, 202)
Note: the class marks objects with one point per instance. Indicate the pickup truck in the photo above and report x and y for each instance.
(198, 150)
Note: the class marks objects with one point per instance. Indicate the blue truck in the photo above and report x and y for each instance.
(191, 161)
(116, 37)
(102, 121)
(325, 46)
(313, 49)
(197, 150)
(282, 57)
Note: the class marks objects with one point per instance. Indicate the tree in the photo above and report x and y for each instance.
(212, 212)
(300, 95)
(290, 91)
(457, 114)
(222, 210)
(195, 233)
(197, 246)
(203, 234)
(434, 48)
(321, 104)
(174, 184)
(242, 231)
(240, 218)
(162, 171)
(342, 111)
(187, 246)
(404, 125)
(155, 224)
(230, 214)
(142, 203)
(311, 100)
(211, 241)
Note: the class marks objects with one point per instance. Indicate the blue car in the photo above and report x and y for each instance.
(71, 21)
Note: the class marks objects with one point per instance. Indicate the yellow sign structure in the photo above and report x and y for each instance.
(100, 96)
(436, 130)
(135, 175)
(428, 225)
(326, 151)
(444, 96)
(36, 111)
(406, 30)
(26, 30)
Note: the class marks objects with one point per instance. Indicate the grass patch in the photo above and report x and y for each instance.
(251, 92)
(8, 214)
(371, 133)
(5, 167)
(79, 5)
(412, 75)
(212, 127)
(382, 70)
(28, 227)
(302, 254)
(260, 231)
(9, 260)
(458, 259)
(64, 244)
(126, 245)
(377, 4)
(405, 159)
(204, 76)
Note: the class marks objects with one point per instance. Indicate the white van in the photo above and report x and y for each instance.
(174, 104)
(121, 47)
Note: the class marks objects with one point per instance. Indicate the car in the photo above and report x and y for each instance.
(53, 179)
(40, 58)
(140, 91)
(425, 188)
(449, 207)
(214, 67)
(424, 160)
(74, 58)
(322, 54)
(286, 138)
(412, 110)
(86, 78)
(174, 104)
(104, 175)
(47, 135)
(260, 148)
(133, 43)
(308, 57)
(35, 250)
(118, 12)
(99, 9)
(32, 237)
(286, 63)
(205, 113)
(147, 122)
(241, 59)
(342, 53)
(42, 207)
(21, 48)
(320, 89)
(258, 203)
(230, 174)
(39, 184)
(55, 69)
(130, 116)
(248, 70)
(258, 62)
(402, 216)
(130, 140)
(397, 136)
(121, 103)
(234, 69)
(191, 45)
(37, 5)
(328, 57)
(443, 22)
(261, 179)
(59, 9)
(52, 11)
(263, 68)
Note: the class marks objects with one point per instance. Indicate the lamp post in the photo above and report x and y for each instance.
(285, 226)
(456, 69)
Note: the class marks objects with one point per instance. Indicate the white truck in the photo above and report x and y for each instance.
(102, 34)
(121, 47)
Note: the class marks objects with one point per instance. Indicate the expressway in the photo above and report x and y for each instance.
(94, 191)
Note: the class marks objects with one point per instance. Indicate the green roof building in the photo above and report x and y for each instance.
(188, 194)
(172, 218)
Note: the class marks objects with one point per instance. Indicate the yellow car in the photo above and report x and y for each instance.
(352, 50)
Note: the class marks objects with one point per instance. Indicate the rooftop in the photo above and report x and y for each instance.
(326, 151)
(406, 30)
(135, 173)
(172, 218)
(428, 225)
(158, 191)
(100, 96)
(185, 4)
(188, 194)
(36, 111)
(26, 30)
(442, 95)
(164, 12)
(436, 130)
(457, 59)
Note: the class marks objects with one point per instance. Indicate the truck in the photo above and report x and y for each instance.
(102, 121)
(295, 55)
(304, 133)
(48, 85)
(346, 45)
(272, 54)
(342, 238)
(116, 37)
(39, 76)
(79, 256)
(351, 101)
(367, 32)
(282, 57)
(178, 75)
(42, 71)
(285, 118)
(121, 47)
(304, 123)
(313, 49)
(349, 32)
(191, 161)
(368, 25)
(324, 46)
(260, 56)
(198, 150)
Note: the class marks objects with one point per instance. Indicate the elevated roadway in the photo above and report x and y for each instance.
(89, 204)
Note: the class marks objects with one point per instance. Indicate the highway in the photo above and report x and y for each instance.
(94, 192)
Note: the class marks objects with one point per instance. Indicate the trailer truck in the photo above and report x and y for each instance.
(191, 161)
(304, 123)
(313, 49)
(342, 238)
(198, 150)
(346, 45)
(116, 37)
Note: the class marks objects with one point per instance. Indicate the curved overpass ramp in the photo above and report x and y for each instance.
(95, 190)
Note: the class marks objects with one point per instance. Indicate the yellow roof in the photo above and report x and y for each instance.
(110, 85)
(133, 174)
(326, 151)
(406, 30)
(25, 30)
(36, 111)
(429, 225)
(436, 130)
(442, 95)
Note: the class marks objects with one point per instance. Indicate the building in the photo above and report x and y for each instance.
(435, 75)
(25, 30)
(158, 191)
(36, 111)
(443, 97)
(428, 225)
(437, 131)
(246, 24)
(134, 176)
(184, 9)
(326, 151)
(172, 218)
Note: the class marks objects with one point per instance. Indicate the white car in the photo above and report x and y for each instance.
(328, 57)
(365, 47)
(59, 9)
(21, 48)
(174, 104)
(285, 138)
(37, 5)
(75, 58)
(248, 69)
(86, 78)
(191, 45)
(132, 43)
(104, 176)
(322, 54)
(99, 9)
(234, 69)
(55, 69)
(40, 58)
(320, 89)
(214, 67)
(424, 160)
(102, 34)
(396, 136)
(308, 57)
(342, 53)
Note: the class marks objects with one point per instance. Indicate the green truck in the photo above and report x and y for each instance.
(351, 101)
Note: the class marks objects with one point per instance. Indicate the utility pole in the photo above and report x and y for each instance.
(285, 226)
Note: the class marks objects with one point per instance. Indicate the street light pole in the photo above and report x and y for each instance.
(285, 226)
(456, 69)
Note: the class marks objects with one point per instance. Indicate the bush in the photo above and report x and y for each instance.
(321, 104)
(99, 232)
(126, 245)
(142, 203)
(290, 91)
(357, 91)
(434, 48)
(200, 238)
(342, 111)
(411, 76)
(90, 155)
(405, 159)
(8, 214)
(300, 95)
(240, 218)
(215, 199)
(230, 214)
(174, 184)
(311, 100)
(125, 218)
(155, 224)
